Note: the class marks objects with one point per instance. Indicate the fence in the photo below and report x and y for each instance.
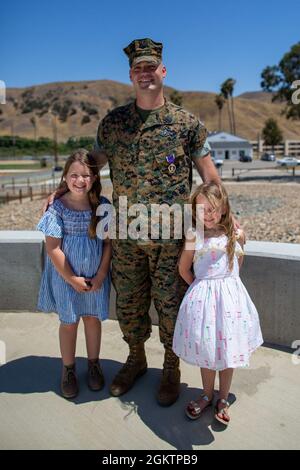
(18, 191)
(288, 147)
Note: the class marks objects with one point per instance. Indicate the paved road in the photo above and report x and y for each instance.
(231, 169)
(35, 179)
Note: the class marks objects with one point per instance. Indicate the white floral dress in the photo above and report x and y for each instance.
(217, 325)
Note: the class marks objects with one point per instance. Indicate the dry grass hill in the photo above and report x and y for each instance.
(80, 105)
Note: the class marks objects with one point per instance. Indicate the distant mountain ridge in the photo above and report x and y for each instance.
(79, 106)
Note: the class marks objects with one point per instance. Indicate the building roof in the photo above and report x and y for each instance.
(225, 141)
(225, 137)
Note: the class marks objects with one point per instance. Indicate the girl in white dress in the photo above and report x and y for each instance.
(217, 326)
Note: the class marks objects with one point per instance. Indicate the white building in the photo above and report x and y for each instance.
(228, 146)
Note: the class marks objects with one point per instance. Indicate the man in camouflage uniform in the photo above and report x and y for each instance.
(150, 146)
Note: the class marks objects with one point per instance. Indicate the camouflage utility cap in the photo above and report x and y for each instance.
(144, 50)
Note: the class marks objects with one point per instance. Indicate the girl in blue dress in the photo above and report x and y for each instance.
(76, 278)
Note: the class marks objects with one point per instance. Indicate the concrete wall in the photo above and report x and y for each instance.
(271, 274)
(21, 261)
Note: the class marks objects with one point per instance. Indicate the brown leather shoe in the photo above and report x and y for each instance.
(95, 377)
(69, 384)
(134, 367)
(170, 383)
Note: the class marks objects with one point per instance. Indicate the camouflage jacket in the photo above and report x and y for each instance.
(150, 162)
(138, 152)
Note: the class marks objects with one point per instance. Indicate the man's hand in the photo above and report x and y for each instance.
(236, 224)
(100, 158)
(48, 202)
(237, 227)
(50, 199)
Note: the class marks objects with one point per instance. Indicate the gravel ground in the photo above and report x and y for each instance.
(266, 211)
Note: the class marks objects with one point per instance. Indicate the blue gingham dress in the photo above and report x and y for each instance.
(84, 256)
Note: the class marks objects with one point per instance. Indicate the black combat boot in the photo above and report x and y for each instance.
(134, 367)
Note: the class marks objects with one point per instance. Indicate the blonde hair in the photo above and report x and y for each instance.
(217, 196)
(85, 158)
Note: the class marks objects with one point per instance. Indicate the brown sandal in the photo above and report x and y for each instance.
(193, 410)
(226, 418)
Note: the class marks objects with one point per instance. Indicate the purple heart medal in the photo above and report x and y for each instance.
(172, 167)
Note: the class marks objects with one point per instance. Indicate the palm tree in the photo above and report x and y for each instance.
(53, 118)
(227, 88)
(33, 122)
(220, 100)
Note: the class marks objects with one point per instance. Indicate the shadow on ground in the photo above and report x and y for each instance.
(37, 374)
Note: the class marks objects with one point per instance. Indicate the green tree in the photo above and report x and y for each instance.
(279, 79)
(227, 89)
(85, 119)
(271, 133)
(220, 100)
(176, 97)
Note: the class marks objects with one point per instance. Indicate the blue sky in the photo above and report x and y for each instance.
(205, 42)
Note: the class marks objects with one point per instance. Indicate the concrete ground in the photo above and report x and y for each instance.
(265, 413)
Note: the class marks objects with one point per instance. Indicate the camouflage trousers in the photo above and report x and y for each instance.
(141, 273)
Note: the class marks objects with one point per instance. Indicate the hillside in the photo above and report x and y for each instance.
(80, 105)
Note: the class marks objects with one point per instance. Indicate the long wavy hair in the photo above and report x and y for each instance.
(217, 196)
(85, 158)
